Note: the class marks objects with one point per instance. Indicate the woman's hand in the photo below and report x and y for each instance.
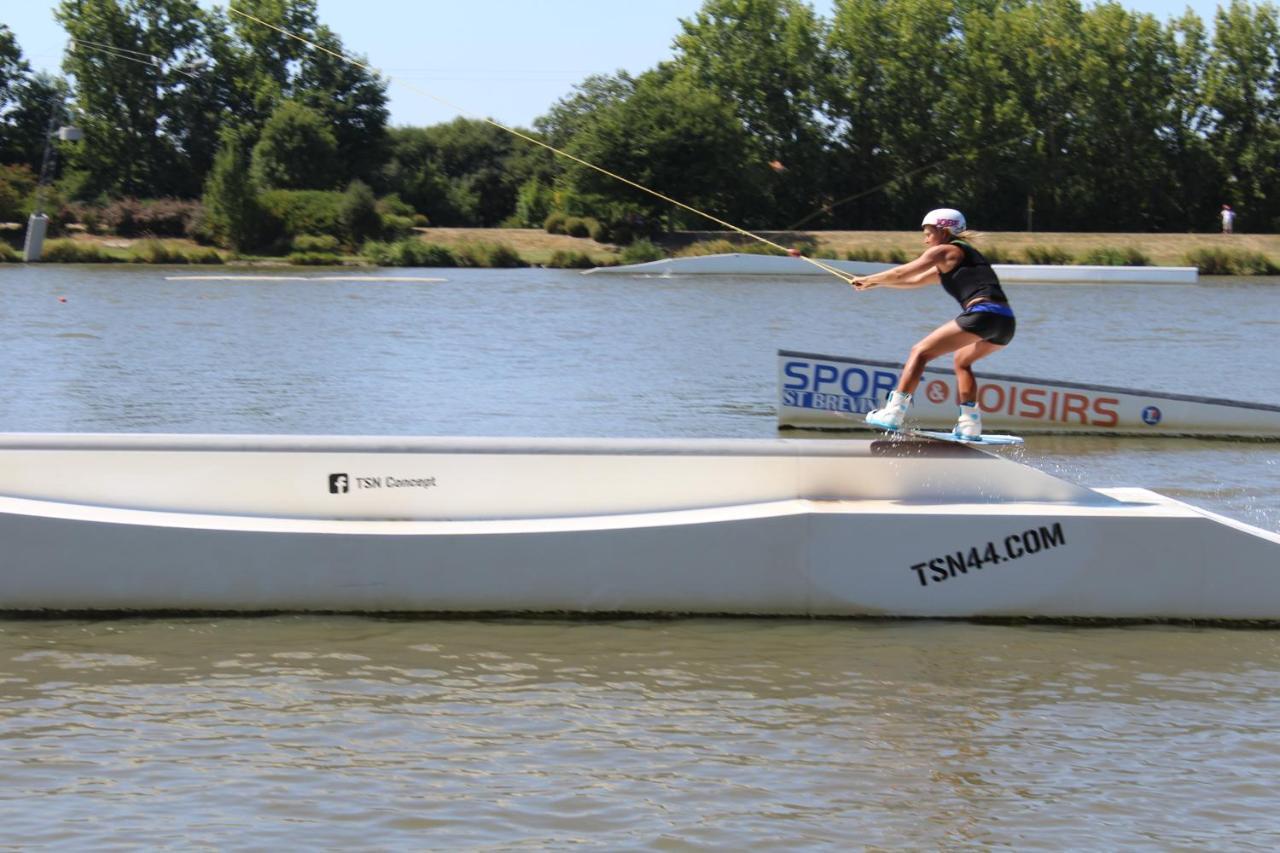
(862, 283)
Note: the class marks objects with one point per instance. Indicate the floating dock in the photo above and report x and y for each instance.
(481, 525)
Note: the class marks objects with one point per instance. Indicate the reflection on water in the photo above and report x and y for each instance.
(336, 731)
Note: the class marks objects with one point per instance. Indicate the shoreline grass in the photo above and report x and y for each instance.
(1211, 254)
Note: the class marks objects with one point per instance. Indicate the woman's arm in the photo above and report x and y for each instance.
(923, 270)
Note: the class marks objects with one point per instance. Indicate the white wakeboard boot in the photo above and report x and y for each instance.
(969, 425)
(890, 416)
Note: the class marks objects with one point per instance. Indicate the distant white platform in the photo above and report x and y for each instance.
(251, 277)
(773, 265)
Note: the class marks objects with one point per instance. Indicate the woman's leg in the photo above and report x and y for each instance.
(948, 337)
(966, 385)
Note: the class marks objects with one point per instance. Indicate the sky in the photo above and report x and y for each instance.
(508, 60)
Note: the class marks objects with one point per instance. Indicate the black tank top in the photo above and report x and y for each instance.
(972, 278)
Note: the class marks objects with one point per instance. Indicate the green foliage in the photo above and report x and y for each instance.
(233, 215)
(358, 213)
(289, 213)
(484, 253)
(325, 243)
(877, 255)
(159, 252)
(1079, 117)
(641, 252)
(570, 260)
(17, 184)
(766, 59)
(723, 247)
(465, 172)
(408, 253)
(296, 151)
(576, 226)
(673, 135)
(533, 203)
(392, 205)
(315, 259)
(1047, 255)
(1111, 256)
(76, 252)
(396, 227)
(150, 126)
(131, 217)
(1231, 262)
(998, 255)
(554, 223)
(8, 254)
(26, 100)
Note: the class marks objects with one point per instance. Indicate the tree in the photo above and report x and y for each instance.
(14, 72)
(296, 151)
(464, 172)
(268, 66)
(134, 63)
(765, 59)
(673, 136)
(352, 100)
(1242, 87)
(230, 196)
(27, 102)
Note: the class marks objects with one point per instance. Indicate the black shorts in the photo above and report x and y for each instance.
(988, 325)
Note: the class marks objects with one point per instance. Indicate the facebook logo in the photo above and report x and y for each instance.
(339, 484)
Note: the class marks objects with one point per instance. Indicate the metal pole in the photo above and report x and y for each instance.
(38, 223)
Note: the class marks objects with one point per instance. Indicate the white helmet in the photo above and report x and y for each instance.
(945, 217)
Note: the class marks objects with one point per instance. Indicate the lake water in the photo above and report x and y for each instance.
(372, 733)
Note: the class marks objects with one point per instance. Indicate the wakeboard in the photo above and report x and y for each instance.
(991, 440)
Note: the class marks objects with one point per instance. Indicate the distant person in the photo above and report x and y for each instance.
(1228, 219)
(986, 324)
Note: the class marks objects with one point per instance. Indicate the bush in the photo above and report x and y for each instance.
(159, 252)
(408, 253)
(554, 223)
(533, 203)
(722, 247)
(203, 255)
(393, 205)
(877, 256)
(1213, 261)
(359, 214)
(73, 252)
(1111, 256)
(641, 252)
(17, 184)
(997, 255)
(162, 217)
(486, 254)
(315, 243)
(1047, 255)
(88, 215)
(395, 226)
(598, 231)
(155, 252)
(315, 259)
(568, 260)
(576, 226)
(289, 213)
(420, 220)
(8, 254)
